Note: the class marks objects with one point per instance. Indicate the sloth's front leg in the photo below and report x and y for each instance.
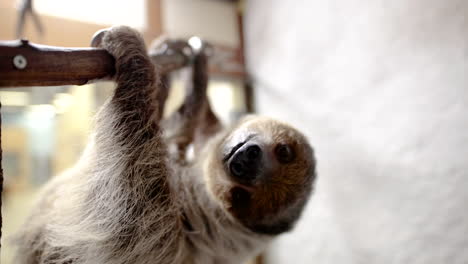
(132, 172)
(194, 121)
(134, 99)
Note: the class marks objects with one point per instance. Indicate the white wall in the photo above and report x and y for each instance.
(381, 89)
(214, 21)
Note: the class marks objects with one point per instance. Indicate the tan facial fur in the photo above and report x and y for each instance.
(272, 202)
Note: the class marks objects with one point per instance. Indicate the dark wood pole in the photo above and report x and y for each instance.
(27, 64)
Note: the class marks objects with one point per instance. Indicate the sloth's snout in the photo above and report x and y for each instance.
(246, 162)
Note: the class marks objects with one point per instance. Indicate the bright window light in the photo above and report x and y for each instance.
(102, 12)
(195, 42)
(11, 98)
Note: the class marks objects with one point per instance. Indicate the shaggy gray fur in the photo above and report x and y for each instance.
(126, 201)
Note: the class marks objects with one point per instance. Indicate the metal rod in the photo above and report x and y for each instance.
(27, 64)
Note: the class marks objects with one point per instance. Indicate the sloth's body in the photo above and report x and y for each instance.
(131, 200)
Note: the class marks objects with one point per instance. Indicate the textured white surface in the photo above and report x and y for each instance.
(381, 89)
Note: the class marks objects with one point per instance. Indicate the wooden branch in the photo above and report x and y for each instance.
(26, 64)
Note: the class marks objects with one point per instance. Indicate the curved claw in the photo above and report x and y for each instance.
(96, 41)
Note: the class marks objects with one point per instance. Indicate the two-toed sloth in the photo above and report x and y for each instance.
(131, 200)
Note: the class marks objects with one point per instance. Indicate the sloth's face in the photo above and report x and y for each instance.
(263, 174)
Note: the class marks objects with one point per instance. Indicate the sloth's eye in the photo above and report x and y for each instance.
(284, 153)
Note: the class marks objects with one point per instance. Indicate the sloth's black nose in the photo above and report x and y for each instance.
(246, 163)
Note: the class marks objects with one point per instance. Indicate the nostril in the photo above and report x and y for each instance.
(253, 152)
(237, 169)
(246, 163)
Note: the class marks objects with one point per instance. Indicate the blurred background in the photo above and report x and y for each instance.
(44, 129)
(379, 88)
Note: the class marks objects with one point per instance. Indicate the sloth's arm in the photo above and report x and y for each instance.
(132, 173)
(180, 126)
(194, 119)
(207, 122)
(134, 104)
(128, 130)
